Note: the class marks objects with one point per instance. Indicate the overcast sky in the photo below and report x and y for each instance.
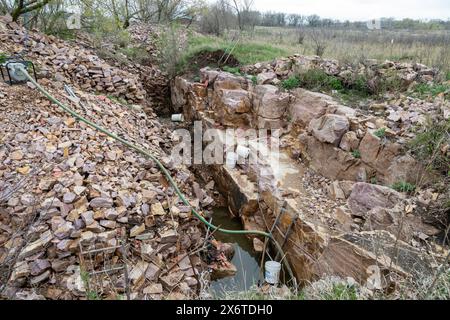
(360, 9)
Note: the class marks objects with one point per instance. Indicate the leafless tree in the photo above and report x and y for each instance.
(319, 41)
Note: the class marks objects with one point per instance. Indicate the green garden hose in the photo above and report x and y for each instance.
(146, 154)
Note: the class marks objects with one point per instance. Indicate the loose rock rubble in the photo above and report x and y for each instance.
(374, 70)
(64, 187)
(69, 63)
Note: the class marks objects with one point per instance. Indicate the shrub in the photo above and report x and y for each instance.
(380, 133)
(316, 79)
(356, 154)
(391, 83)
(2, 57)
(335, 83)
(403, 186)
(291, 83)
(171, 51)
(136, 54)
(429, 146)
(361, 84)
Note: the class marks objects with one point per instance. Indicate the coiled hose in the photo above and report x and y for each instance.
(158, 163)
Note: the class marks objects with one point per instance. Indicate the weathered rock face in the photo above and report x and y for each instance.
(307, 106)
(270, 106)
(269, 102)
(329, 128)
(365, 197)
(354, 255)
(227, 81)
(333, 162)
(232, 106)
(397, 222)
(349, 142)
(266, 78)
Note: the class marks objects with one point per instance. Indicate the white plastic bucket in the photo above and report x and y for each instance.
(243, 152)
(178, 117)
(231, 160)
(272, 274)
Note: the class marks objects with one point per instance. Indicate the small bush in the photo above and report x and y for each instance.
(2, 57)
(429, 146)
(291, 83)
(172, 58)
(380, 133)
(403, 187)
(335, 83)
(316, 79)
(356, 154)
(361, 84)
(136, 54)
(391, 83)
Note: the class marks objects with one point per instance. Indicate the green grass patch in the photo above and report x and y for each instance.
(315, 79)
(424, 90)
(251, 53)
(233, 70)
(356, 154)
(447, 76)
(341, 291)
(403, 186)
(90, 294)
(380, 133)
(291, 83)
(245, 53)
(2, 57)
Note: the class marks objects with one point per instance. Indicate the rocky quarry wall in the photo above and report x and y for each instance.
(330, 215)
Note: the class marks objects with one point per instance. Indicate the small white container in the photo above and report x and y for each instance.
(231, 160)
(243, 152)
(272, 274)
(178, 117)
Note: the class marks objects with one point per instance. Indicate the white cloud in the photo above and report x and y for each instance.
(360, 9)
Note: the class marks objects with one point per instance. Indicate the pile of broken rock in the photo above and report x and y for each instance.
(70, 63)
(371, 69)
(65, 187)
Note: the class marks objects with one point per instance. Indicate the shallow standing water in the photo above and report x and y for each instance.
(245, 258)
